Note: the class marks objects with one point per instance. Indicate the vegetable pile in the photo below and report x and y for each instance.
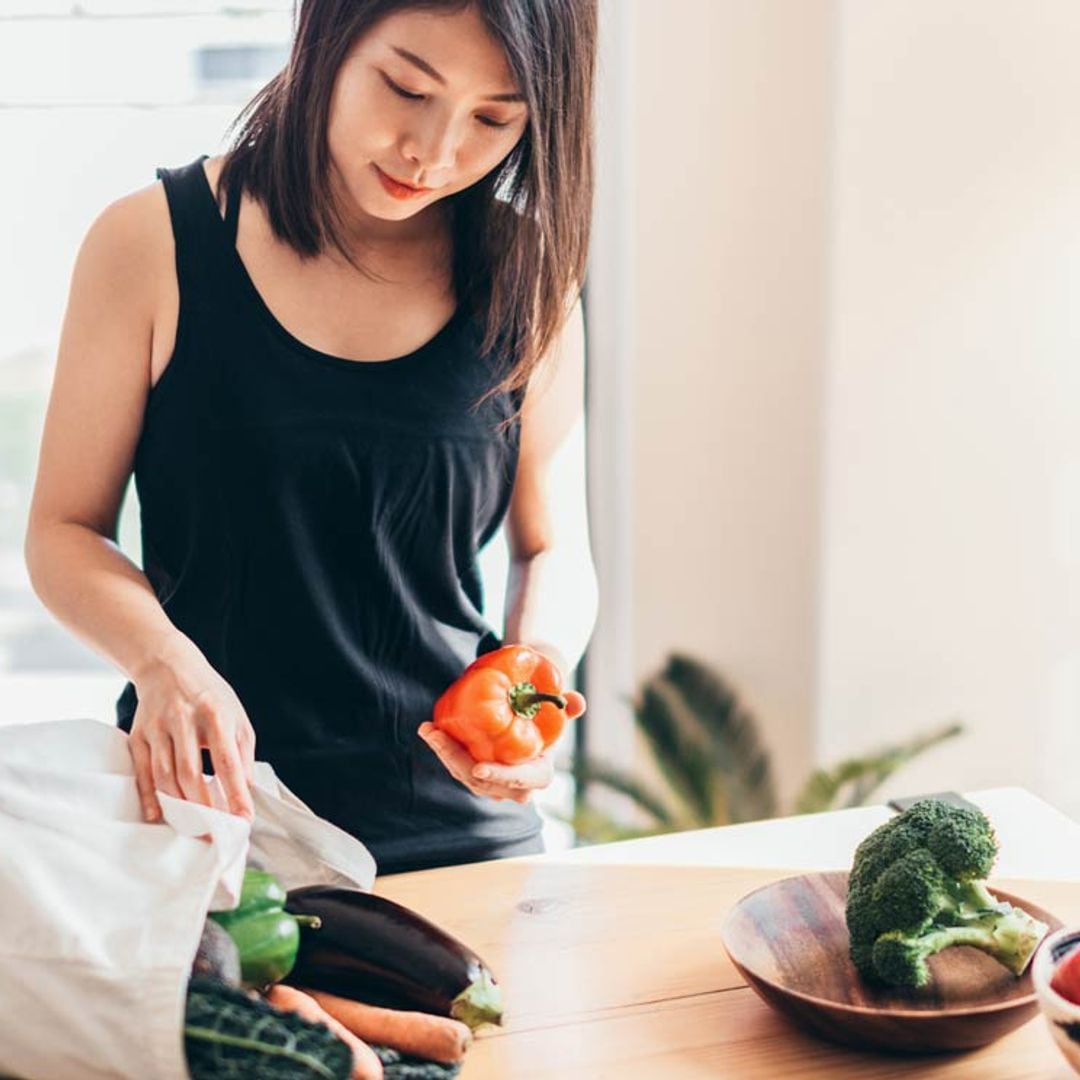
(331, 983)
(917, 886)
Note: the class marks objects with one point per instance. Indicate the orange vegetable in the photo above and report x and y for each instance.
(437, 1038)
(507, 706)
(366, 1063)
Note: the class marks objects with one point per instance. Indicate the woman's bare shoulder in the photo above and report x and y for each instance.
(130, 249)
(139, 222)
(134, 230)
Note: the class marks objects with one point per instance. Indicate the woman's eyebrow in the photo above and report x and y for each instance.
(425, 67)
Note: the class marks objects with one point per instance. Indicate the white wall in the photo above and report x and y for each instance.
(952, 507)
(855, 374)
(731, 130)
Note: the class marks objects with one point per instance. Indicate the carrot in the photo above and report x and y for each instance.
(438, 1038)
(366, 1064)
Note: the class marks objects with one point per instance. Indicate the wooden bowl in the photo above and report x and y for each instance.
(790, 941)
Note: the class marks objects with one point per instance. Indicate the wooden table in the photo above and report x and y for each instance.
(614, 971)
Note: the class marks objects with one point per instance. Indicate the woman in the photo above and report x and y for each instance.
(337, 359)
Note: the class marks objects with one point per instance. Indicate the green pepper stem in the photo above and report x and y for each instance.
(525, 700)
(313, 922)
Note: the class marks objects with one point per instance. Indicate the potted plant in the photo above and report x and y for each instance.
(713, 764)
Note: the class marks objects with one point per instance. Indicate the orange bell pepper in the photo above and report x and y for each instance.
(507, 706)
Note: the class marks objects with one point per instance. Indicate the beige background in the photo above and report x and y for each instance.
(855, 471)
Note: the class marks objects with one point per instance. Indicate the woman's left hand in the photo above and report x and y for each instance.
(515, 782)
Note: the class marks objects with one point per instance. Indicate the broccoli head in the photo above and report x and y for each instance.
(917, 886)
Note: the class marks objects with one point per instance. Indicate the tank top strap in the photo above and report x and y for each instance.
(232, 214)
(198, 231)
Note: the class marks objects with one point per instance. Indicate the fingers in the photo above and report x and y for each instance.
(172, 763)
(144, 777)
(575, 704)
(226, 733)
(537, 773)
(459, 763)
(189, 775)
(245, 745)
(185, 708)
(229, 768)
(164, 767)
(507, 782)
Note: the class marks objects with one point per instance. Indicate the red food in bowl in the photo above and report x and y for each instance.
(1066, 980)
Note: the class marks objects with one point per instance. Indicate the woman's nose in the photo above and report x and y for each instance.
(433, 146)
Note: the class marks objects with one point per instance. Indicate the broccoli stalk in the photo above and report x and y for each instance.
(967, 898)
(917, 886)
(1010, 937)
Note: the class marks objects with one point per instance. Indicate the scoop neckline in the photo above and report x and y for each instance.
(282, 331)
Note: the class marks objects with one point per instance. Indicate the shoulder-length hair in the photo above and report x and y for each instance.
(520, 235)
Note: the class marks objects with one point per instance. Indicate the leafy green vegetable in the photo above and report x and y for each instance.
(229, 1035)
(399, 1066)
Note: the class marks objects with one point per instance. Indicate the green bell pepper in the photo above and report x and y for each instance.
(266, 935)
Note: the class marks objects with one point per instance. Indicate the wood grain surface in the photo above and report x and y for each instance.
(617, 972)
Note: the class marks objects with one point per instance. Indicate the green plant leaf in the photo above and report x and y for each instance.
(625, 783)
(705, 747)
(680, 747)
(715, 769)
(593, 826)
(731, 732)
(858, 778)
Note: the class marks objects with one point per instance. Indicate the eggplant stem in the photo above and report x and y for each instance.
(479, 1003)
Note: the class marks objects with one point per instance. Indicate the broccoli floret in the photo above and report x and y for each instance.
(917, 886)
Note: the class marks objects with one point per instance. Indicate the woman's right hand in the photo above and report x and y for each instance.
(183, 706)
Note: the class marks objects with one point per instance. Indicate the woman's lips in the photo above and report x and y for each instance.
(396, 189)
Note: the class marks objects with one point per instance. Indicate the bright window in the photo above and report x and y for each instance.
(93, 97)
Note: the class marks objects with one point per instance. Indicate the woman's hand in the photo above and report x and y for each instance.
(515, 782)
(185, 705)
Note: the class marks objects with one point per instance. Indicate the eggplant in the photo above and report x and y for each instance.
(371, 949)
(217, 955)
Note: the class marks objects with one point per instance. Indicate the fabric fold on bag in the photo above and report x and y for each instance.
(103, 911)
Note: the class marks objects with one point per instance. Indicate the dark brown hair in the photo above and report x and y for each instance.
(520, 235)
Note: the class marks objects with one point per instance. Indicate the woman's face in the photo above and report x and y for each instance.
(426, 99)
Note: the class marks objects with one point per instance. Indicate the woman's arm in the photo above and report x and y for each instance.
(93, 422)
(92, 427)
(552, 593)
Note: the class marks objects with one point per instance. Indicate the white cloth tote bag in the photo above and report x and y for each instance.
(101, 913)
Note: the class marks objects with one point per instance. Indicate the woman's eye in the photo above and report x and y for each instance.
(408, 95)
(402, 92)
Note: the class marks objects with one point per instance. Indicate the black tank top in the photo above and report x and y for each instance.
(313, 524)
